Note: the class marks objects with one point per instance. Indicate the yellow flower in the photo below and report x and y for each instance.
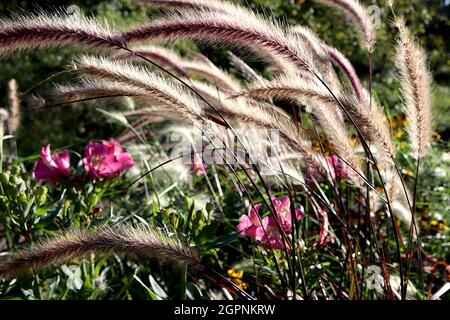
(437, 137)
(398, 121)
(399, 133)
(236, 276)
(438, 226)
(241, 284)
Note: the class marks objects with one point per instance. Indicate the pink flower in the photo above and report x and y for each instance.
(283, 210)
(251, 225)
(338, 169)
(198, 167)
(105, 159)
(324, 236)
(273, 238)
(52, 168)
(266, 229)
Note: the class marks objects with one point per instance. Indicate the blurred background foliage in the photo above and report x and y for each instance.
(429, 20)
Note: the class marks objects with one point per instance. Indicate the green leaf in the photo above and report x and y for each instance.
(28, 208)
(193, 292)
(157, 288)
(206, 234)
(224, 240)
(48, 218)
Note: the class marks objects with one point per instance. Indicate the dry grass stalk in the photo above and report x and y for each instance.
(211, 73)
(212, 5)
(326, 54)
(347, 68)
(92, 90)
(13, 107)
(326, 110)
(172, 61)
(244, 68)
(416, 87)
(369, 120)
(360, 18)
(266, 39)
(28, 32)
(158, 89)
(160, 55)
(127, 240)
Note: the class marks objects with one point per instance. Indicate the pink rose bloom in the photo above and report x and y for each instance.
(251, 225)
(105, 159)
(52, 168)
